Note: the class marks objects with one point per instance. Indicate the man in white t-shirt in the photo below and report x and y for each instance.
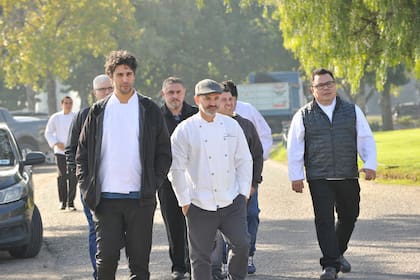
(123, 157)
(56, 133)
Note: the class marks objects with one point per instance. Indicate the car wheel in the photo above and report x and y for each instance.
(32, 249)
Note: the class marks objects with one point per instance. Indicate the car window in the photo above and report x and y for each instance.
(7, 157)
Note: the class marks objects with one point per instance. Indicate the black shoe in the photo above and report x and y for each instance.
(71, 206)
(63, 206)
(329, 273)
(176, 275)
(218, 274)
(345, 266)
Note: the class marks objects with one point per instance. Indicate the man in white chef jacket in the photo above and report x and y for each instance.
(211, 174)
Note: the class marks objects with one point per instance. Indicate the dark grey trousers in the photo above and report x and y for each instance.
(202, 226)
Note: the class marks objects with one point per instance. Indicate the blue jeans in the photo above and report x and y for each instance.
(253, 221)
(92, 236)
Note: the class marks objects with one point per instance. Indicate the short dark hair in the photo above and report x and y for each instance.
(172, 80)
(229, 85)
(120, 57)
(321, 71)
(66, 97)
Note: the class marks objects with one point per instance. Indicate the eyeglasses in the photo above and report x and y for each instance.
(328, 84)
(105, 89)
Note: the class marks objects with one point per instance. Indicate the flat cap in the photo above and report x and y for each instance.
(207, 86)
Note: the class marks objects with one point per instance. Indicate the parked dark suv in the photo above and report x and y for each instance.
(20, 220)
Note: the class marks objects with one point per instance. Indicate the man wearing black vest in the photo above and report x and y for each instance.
(325, 137)
(175, 110)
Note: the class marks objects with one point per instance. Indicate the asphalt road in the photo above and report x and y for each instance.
(385, 244)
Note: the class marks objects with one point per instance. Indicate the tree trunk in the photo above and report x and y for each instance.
(52, 97)
(30, 98)
(386, 108)
(84, 102)
(360, 97)
(347, 91)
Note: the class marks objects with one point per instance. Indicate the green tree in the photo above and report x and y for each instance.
(396, 77)
(82, 74)
(352, 38)
(180, 38)
(41, 40)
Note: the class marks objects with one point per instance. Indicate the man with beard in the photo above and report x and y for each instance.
(123, 157)
(175, 110)
(211, 175)
(227, 108)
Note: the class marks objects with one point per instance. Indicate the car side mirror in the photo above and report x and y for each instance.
(33, 158)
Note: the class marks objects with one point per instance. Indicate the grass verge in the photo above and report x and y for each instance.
(398, 156)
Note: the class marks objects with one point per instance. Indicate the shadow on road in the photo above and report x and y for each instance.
(286, 249)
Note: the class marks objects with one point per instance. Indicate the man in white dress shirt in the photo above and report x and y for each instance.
(56, 133)
(211, 175)
(249, 112)
(325, 137)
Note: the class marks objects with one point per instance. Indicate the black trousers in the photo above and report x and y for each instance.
(66, 181)
(344, 197)
(176, 228)
(119, 223)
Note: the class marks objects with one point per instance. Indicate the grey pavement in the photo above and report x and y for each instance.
(385, 244)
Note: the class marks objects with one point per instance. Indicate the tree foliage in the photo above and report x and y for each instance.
(184, 39)
(68, 40)
(352, 37)
(40, 40)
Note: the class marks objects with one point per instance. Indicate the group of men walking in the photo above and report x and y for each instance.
(205, 164)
